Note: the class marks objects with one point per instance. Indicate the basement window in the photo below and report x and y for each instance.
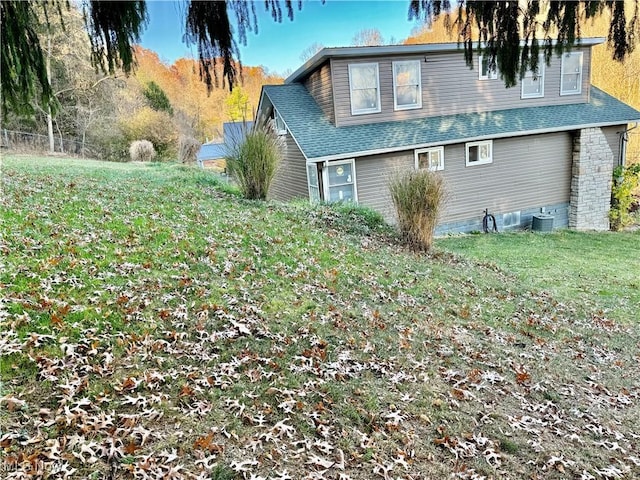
(485, 72)
(479, 153)
(430, 158)
(511, 220)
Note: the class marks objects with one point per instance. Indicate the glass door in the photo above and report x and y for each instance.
(313, 181)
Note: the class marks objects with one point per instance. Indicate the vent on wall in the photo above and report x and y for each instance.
(511, 219)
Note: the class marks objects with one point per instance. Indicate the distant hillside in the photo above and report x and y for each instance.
(207, 110)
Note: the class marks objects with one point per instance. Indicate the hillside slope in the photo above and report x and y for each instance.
(154, 326)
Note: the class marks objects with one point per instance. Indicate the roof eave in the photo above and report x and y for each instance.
(380, 151)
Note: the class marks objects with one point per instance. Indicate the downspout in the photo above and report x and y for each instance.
(624, 139)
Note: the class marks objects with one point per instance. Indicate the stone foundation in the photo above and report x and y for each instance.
(590, 181)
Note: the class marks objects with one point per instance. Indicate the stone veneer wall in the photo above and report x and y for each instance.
(590, 181)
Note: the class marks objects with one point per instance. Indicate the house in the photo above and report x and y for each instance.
(351, 117)
(211, 154)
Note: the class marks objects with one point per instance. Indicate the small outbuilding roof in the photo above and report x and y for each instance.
(232, 133)
(211, 151)
(320, 140)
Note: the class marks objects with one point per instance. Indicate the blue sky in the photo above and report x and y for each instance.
(278, 46)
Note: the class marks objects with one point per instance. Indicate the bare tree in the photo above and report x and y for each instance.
(310, 51)
(367, 37)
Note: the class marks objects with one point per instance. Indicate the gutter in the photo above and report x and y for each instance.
(624, 139)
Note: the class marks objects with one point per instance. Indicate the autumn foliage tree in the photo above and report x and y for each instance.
(512, 34)
(114, 28)
(155, 126)
(197, 112)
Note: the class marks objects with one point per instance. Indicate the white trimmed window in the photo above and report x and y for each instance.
(407, 85)
(485, 72)
(479, 153)
(339, 180)
(364, 87)
(533, 82)
(430, 158)
(511, 219)
(571, 78)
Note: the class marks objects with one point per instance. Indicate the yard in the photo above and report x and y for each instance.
(154, 325)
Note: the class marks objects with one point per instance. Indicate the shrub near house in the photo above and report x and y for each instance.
(625, 182)
(253, 161)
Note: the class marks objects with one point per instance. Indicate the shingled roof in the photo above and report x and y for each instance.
(320, 140)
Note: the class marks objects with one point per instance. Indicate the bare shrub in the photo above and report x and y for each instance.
(142, 151)
(188, 148)
(417, 197)
(157, 127)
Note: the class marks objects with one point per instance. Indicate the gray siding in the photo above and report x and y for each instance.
(527, 173)
(613, 139)
(321, 89)
(372, 175)
(290, 180)
(448, 87)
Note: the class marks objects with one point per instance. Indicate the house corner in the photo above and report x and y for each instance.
(592, 168)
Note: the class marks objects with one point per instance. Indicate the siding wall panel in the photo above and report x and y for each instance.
(526, 172)
(448, 87)
(320, 87)
(290, 181)
(373, 173)
(613, 139)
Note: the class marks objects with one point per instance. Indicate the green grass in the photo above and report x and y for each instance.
(599, 272)
(155, 323)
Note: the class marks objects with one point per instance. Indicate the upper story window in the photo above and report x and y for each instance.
(479, 153)
(407, 85)
(571, 81)
(485, 72)
(430, 158)
(533, 82)
(364, 87)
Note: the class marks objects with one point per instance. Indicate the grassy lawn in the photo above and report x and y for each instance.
(596, 271)
(154, 325)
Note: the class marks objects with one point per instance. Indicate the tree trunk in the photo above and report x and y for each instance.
(52, 145)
